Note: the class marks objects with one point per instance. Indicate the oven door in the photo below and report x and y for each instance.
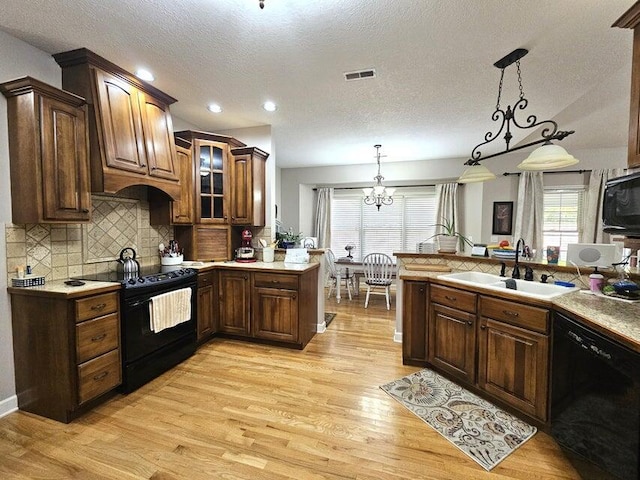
(138, 339)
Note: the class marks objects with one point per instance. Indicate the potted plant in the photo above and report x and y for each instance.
(288, 239)
(449, 238)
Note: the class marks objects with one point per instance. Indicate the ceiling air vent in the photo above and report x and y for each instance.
(359, 75)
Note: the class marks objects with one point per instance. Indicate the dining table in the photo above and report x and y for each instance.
(350, 265)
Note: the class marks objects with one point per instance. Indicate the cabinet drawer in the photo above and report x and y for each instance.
(532, 318)
(270, 280)
(451, 297)
(96, 306)
(98, 376)
(205, 279)
(97, 336)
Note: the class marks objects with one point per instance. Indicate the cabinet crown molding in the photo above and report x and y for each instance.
(20, 86)
(83, 56)
(629, 19)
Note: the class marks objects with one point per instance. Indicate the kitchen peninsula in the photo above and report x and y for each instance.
(261, 301)
(496, 341)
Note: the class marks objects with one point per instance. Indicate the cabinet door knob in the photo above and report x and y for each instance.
(143, 165)
(483, 327)
(85, 210)
(469, 322)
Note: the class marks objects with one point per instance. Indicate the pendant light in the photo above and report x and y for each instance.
(476, 173)
(546, 157)
(378, 194)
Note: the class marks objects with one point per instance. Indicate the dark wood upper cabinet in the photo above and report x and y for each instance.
(178, 212)
(248, 186)
(631, 19)
(48, 148)
(130, 126)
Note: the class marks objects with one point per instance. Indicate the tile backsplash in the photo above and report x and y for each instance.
(60, 251)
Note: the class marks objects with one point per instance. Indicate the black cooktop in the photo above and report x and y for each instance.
(145, 277)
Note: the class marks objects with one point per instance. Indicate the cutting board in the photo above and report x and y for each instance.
(427, 268)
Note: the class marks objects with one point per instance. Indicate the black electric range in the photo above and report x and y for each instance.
(146, 278)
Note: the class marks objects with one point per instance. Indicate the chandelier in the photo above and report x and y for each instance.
(546, 157)
(378, 194)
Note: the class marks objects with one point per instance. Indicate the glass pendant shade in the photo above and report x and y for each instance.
(367, 191)
(548, 157)
(390, 191)
(476, 173)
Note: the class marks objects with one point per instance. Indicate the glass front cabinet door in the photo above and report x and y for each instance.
(213, 197)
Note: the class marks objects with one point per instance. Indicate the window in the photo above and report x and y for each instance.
(563, 220)
(397, 227)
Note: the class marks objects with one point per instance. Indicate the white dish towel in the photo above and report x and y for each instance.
(169, 309)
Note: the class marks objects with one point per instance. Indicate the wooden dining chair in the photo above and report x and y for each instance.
(332, 268)
(378, 272)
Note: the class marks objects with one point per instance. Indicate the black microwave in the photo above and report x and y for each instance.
(621, 207)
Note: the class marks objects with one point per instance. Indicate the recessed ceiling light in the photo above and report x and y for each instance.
(270, 106)
(145, 75)
(215, 108)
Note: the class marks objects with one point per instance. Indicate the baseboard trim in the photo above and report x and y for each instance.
(8, 405)
(397, 337)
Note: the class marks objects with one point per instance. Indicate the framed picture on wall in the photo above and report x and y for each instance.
(502, 218)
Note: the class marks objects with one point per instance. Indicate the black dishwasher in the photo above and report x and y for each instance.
(595, 408)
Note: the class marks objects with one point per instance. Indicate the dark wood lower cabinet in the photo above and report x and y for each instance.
(513, 366)
(452, 341)
(272, 306)
(66, 350)
(234, 302)
(494, 346)
(414, 322)
(206, 308)
(275, 314)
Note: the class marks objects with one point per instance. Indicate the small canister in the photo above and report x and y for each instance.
(596, 281)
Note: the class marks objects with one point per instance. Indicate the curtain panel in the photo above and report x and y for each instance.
(530, 211)
(322, 226)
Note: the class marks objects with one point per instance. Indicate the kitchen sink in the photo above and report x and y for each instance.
(524, 288)
(472, 278)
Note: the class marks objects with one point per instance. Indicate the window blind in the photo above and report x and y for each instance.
(563, 219)
(396, 227)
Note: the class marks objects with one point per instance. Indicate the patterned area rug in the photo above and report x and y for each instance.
(328, 318)
(478, 428)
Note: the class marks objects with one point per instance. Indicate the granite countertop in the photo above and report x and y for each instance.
(614, 318)
(57, 288)
(260, 266)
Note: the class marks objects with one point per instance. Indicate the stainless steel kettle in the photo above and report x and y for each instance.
(129, 264)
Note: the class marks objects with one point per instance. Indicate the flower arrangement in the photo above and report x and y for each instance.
(288, 239)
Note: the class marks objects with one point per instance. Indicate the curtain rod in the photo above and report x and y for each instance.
(389, 186)
(506, 174)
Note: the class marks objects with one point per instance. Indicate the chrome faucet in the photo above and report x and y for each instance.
(516, 267)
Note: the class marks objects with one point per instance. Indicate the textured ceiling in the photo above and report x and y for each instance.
(435, 88)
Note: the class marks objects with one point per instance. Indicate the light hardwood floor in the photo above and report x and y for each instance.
(239, 410)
